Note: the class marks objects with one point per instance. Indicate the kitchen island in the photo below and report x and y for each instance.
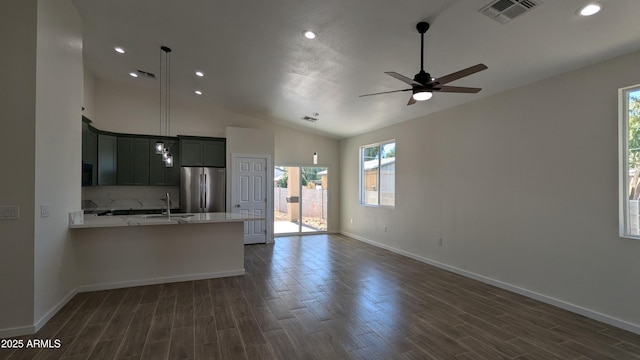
(132, 250)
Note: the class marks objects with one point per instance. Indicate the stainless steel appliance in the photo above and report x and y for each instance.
(202, 189)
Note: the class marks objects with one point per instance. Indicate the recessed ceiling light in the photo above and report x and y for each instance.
(132, 74)
(198, 92)
(309, 34)
(119, 50)
(589, 9)
(199, 74)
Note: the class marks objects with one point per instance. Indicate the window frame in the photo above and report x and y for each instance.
(623, 162)
(361, 176)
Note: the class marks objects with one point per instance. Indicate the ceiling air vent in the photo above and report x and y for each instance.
(504, 11)
(146, 74)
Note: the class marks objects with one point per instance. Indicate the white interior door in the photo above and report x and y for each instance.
(250, 195)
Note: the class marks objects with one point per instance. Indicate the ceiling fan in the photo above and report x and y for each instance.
(423, 85)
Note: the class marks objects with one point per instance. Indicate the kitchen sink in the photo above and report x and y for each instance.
(160, 216)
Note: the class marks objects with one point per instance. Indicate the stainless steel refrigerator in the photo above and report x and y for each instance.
(202, 189)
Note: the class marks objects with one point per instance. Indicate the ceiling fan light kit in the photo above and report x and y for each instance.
(422, 95)
(423, 85)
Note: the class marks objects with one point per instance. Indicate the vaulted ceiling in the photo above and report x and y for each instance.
(257, 62)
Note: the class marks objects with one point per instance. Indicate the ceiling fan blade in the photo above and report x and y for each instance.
(457, 89)
(459, 74)
(411, 101)
(385, 92)
(403, 78)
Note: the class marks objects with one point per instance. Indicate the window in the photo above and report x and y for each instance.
(629, 142)
(378, 174)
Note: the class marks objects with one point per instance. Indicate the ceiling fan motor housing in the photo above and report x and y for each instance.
(422, 77)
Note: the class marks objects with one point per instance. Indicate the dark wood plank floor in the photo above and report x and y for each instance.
(324, 297)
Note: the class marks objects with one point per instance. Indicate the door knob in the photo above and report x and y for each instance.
(237, 205)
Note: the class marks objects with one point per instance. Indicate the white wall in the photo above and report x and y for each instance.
(521, 186)
(88, 94)
(40, 96)
(58, 152)
(127, 109)
(18, 20)
(121, 107)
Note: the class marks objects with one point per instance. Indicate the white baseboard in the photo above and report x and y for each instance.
(43, 320)
(30, 330)
(17, 331)
(155, 281)
(518, 290)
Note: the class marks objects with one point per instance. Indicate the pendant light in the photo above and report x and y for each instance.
(315, 142)
(159, 143)
(165, 99)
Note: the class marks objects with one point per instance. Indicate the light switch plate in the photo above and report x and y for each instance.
(9, 212)
(44, 210)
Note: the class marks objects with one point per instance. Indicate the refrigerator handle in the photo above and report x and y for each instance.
(200, 192)
(206, 185)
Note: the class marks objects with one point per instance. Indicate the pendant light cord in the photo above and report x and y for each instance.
(168, 94)
(167, 90)
(160, 100)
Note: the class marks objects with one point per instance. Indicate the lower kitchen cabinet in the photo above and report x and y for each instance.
(133, 160)
(107, 159)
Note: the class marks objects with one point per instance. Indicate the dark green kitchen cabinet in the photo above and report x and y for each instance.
(133, 160)
(159, 174)
(107, 159)
(203, 151)
(90, 150)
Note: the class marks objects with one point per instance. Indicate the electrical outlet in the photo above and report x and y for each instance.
(44, 210)
(439, 241)
(9, 212)
(385, 229)
(351, 221)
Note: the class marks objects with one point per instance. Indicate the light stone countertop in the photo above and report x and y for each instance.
(94, 221)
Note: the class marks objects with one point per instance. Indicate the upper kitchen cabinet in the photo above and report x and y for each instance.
(195, 151)
(133, 160)
(159, 174)
(107, 159)
(90, 151)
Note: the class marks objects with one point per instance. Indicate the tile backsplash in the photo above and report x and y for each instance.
(129, 197)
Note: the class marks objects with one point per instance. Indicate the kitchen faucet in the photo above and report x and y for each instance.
(168, 207)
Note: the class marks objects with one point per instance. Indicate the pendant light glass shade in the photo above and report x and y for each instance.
(159, 147)
(315, 158)
(169, 161)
